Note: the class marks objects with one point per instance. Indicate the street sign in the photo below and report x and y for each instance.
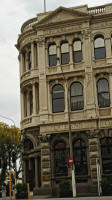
(70, 161)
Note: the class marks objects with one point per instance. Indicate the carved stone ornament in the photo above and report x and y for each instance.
(92, 133)
(44, 138)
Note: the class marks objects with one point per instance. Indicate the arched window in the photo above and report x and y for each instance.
(29, 60)
(60, 159)
(99, 48)
(76, 98)
(103, 93)
(80, 157)
(58, 104)
(64, 53)
(52, 55)
(106, 152)
(31, 102)
(27, 144)
(77, 51)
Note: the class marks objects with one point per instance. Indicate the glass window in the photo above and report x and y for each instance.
(31, 102)
(58, 104)
(28, 145)
(77, 51)
(29, 60)
(77, 100)
(106, 152)
(80, 157)
(60, 159)
(52, 55)
(99, 48)
(64, 53)
(103, 93)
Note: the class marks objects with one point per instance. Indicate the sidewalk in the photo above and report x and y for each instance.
(49, 198)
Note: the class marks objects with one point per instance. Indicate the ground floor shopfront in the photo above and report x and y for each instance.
(46, 154)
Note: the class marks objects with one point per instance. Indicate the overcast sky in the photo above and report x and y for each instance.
(13, 13)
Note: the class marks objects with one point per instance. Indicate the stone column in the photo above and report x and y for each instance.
(94, 152)
(89, 100)
(46, 164)
(22, 63)
(30, 164)
(27, 64)
(58, 61)
(110, 89)
(34, 99)
(46, 54)
(66, 98)
(32, 54)
(28, 103)
(108, 50)
(36, 173)
(24, 170)
(22, 105)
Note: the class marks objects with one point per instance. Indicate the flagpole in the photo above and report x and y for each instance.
(44, 5)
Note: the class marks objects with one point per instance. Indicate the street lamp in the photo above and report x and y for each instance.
(14, 146)
(70, 137)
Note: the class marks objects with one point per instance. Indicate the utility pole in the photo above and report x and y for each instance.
(44, 5)
(70, 138)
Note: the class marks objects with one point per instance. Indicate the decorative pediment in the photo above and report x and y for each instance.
(62, 14)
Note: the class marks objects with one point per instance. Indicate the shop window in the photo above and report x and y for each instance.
(80, 157)
(29, 60)
(103, 93)
(52, 55)
(106, 153)
(99, 48)
(76, 96)
(58, 104)
(77, 51)
(60, 159)
(64, 53)
(31, 102)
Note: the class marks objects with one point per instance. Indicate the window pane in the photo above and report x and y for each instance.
(76, 89)
(58, 105)
(103, 85)
(99, 42)
(77, 45)
(64, 58)
(64, 48)
(52, 49)
(100, 53)
(104, 100)
(77, 56)
(52, 60)
(77, 103)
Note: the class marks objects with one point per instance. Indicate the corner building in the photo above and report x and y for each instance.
(66, 52)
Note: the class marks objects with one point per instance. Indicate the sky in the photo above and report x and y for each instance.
(13, 13)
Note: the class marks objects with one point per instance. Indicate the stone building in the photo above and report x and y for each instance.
(66, 53)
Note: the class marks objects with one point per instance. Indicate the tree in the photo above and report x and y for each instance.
(9, 145)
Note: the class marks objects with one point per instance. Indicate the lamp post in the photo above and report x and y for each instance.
(70, 138)
(14, 147)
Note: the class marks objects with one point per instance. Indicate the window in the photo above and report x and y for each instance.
(103, 93)
(64, 53)
(31, 102)
(29, 60)
(28, 145)
(58, 104)
(99, 48)
(77, 51)
(80, 157)
(77, 101)
(106, 152)
(60, 159)
(52, 55)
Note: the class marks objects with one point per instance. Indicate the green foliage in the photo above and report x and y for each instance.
(106, 185)
(21, 187)
(9, 137)
(64, 185)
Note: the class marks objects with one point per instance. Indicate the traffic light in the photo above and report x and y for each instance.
(13, 156)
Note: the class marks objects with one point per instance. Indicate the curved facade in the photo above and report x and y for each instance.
(66, 53)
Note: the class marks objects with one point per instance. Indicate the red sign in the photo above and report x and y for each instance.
(70, 161)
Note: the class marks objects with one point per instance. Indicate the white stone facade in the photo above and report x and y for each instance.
(81, 70)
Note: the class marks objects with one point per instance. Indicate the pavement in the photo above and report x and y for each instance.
(50, 198)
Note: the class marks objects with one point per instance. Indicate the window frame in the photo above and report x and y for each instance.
(98, 48)
(66, 53)
(53, 55)
(79, 51)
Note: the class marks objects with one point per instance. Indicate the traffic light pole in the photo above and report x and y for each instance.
(14, 148)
